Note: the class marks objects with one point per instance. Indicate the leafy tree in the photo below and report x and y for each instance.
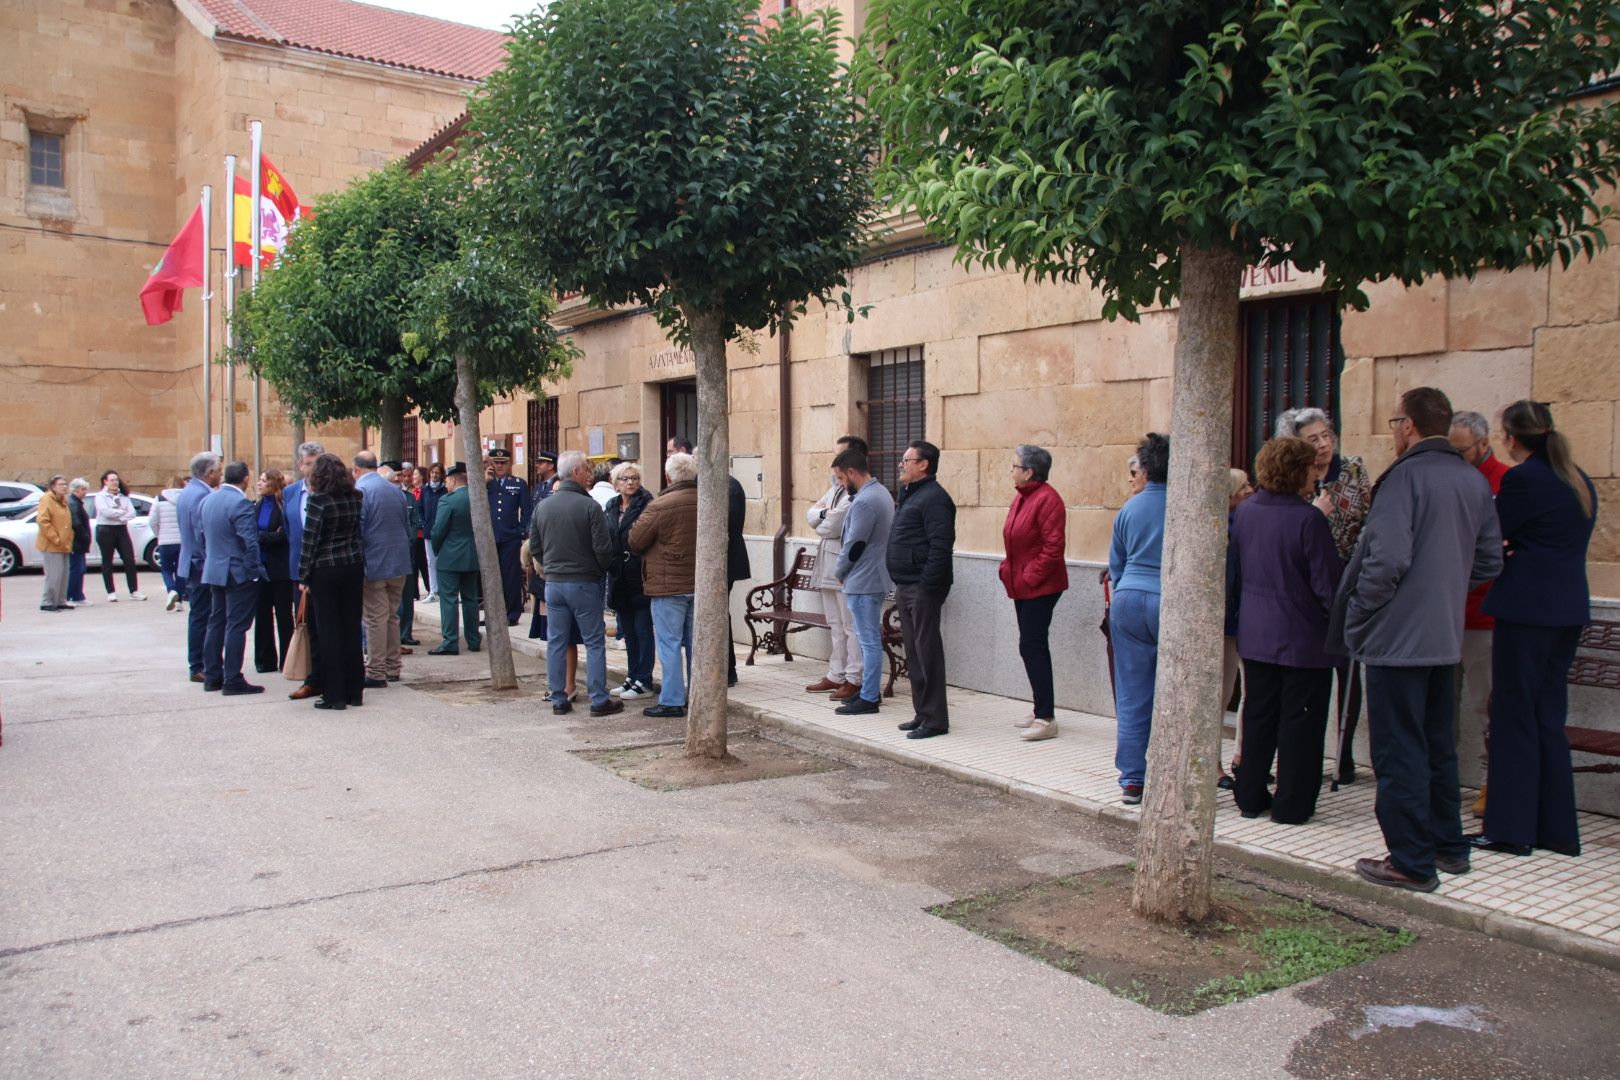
(1157, 148)
(484, 313)
(694, 159)
(323, 326)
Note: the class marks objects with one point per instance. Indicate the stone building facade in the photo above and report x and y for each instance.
(141, 100)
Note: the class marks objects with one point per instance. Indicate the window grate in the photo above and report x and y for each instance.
(896, 409)
(542, 433)
(1291, 358)
(45, 160)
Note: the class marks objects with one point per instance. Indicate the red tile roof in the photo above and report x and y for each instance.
(345, 28)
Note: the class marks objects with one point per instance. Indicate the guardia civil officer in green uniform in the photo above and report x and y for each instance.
(456, 557)
(509, 510)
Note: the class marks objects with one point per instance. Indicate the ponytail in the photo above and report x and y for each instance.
(1531, 424)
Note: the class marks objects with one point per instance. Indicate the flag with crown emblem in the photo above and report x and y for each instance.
(278, 211)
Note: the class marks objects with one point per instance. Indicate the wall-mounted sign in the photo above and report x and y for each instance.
(671, 362)
(1278, 280)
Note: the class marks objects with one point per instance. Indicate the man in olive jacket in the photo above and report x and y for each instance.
(570, 541)
(921, 540)
(1431, 536)
(457, 559)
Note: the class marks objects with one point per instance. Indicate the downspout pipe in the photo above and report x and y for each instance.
(784, 424)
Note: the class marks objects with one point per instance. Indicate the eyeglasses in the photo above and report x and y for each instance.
(1397, 421)
(909, 460)
(1018, 468)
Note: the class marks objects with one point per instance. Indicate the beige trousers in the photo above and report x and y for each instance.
(1474, 706)
(844, 661)
(381, 616)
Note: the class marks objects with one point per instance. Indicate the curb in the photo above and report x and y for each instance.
(1435, 908)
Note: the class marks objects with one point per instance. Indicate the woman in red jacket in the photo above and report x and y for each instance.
(1034, 576)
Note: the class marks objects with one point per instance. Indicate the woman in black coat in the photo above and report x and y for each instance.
(630, 604)
(1548, 508)
(332, 566)
(273, 625)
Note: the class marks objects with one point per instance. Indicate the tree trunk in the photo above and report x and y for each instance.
(502, 673)
(391, 432)
(711, 636)
(298, 440)
(1174, 851)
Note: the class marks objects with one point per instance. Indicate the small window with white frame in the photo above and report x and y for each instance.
(46, 159)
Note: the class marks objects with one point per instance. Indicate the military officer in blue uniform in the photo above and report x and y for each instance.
(509, 510)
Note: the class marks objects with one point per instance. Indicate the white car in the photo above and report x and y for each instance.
(17, 490)
(17, 533)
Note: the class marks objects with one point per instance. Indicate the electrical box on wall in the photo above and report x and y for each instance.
(629, 446)
(750, 473)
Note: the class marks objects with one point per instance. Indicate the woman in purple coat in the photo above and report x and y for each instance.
(1283, 572)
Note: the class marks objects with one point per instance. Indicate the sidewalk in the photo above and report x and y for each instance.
(1570, 906)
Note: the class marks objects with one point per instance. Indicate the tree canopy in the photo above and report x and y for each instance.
(679, 156)
(1370, 138)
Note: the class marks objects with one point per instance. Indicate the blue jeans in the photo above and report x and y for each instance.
(569, 603)
(201, 598)
(226, 644)
(867, 609)
(640, 643)
(75, 582)
(1133, 622)
(672, 626)
(169, 564)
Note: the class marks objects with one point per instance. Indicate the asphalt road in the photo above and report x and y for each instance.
(436, 886)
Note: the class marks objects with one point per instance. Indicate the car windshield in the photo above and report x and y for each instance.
(13, 511)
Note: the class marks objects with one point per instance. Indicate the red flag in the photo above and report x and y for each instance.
(180, 268)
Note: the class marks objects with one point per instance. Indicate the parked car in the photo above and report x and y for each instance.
(17, 533)
(17, 490)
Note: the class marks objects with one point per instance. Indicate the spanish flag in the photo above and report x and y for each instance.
(278, 210)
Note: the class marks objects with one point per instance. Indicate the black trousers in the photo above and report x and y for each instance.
(272, 624)
(419, 563)
(1285, 712)
(1531, 778)
(336, 592)
(115, 538)
(314, 676)
(511, 558)
(1034, 628)
(925, 654)
(1349, 675)
(1414, 755)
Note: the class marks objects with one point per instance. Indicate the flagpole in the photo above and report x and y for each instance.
(207, 321)
(257, 137)
(230, 308)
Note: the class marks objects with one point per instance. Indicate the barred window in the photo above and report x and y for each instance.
(896, 410)
(1291, 358)
(45, 160)
(542, 432)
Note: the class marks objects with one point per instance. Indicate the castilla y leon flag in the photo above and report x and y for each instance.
(180, 268)
(278, 209)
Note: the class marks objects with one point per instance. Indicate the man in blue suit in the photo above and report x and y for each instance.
(385, 539)
(231, 571)
(294, 506)
(188, 507)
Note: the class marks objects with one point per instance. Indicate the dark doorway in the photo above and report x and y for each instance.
(680, 413)
(1289, 358)
(542, 433)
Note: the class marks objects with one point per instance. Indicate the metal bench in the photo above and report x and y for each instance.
(771, 617)
(1603, 673)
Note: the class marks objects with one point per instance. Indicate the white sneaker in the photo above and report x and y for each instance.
(86, 602)
(635, 690)
(174, 601)
(70, 603)
(137, 596)
(112, 598)
(1040, 729)
(1024, 721)
(620, 689)
(431, 596)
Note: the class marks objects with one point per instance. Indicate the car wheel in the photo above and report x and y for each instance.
(151, 556)
(10, 559)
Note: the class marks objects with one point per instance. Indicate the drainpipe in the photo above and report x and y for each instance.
(784, 414)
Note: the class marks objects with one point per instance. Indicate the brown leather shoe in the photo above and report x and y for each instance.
(305, 691)
(845, 692)
(196, 676)
(821, 686)
(1383, 872)
(406, 650)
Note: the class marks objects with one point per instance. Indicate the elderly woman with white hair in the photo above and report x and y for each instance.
(1344, 494)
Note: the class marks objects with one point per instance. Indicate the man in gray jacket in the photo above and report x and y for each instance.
(1431, 536)
(863, 568)
(385, 538)
(571, 543)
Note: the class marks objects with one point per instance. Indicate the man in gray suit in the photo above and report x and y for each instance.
(385, 538)
(230, 572)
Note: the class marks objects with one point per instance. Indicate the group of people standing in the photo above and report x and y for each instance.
(1387, 581)
(68, 518)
